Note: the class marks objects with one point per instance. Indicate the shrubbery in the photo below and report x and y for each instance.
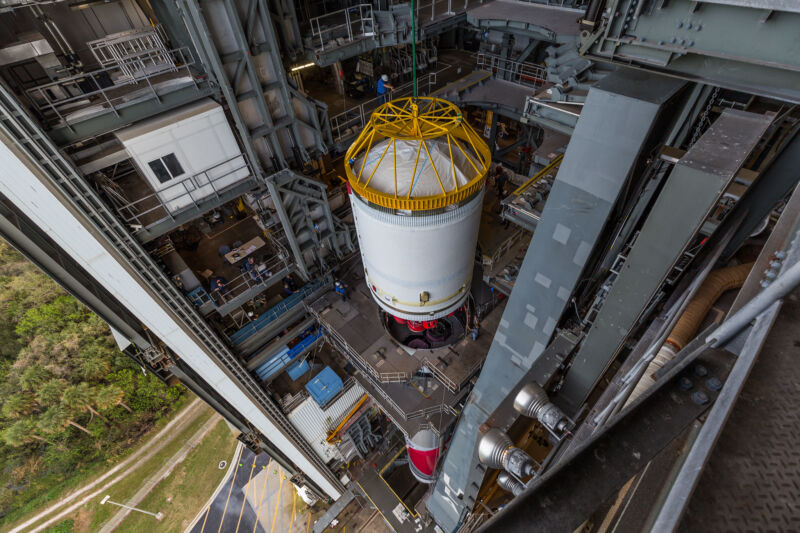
(69, 399)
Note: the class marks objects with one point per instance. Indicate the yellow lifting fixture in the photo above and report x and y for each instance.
(431, 130)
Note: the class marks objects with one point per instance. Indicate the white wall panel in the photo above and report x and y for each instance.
(312, 421)
(203, 143)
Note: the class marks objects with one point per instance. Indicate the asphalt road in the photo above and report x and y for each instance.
(229, 512)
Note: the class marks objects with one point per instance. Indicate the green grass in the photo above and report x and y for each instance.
(65, 526)
(94, 515)
(184, 492)
(60, 489)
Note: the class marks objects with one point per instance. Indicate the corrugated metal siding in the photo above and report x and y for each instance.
(312, 421)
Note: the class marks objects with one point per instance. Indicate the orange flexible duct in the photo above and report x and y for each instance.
(684, 331)
(712, 288)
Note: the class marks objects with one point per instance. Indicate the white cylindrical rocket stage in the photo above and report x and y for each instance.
(419, 266)
(416, 176)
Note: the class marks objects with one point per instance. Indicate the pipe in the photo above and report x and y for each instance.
(717, 282)
(509, 484)
(776, 290)
(55, 32)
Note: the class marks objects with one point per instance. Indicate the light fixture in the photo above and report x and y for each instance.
(300, 67)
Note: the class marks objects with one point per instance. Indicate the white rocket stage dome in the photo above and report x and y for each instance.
(432, 175)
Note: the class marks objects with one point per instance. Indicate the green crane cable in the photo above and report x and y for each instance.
(414, 49)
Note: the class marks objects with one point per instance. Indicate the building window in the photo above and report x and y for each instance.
(165, 168)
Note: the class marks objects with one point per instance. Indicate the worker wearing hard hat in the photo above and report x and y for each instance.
(383, 85)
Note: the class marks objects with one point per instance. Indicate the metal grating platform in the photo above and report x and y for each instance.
(752, 481)
(560, 21)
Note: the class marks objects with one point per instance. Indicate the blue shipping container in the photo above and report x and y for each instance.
(324, 386)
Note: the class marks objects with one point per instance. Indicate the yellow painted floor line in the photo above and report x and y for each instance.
(277, 505)
(263, 493)
(376, 507)
(391, 461)
(412, 513)
(230, 490)
(246, 490)
(294, 506)
(208, 510)
(380, 475)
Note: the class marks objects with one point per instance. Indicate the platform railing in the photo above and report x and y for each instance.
(258, 277)
(520, 72)
(352, 121)
(124, 49)
(311, 290)
(56, 99)
(182, 189)
(573, 4)
(441, 376)
(428, 10)
(348, 25)
(344, 346)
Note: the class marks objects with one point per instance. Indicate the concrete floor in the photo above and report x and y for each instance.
(205, 256)
(391, 367)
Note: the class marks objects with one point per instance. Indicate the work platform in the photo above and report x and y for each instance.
(386, 368)
(550, 23)
(454, 89)
(507, 97)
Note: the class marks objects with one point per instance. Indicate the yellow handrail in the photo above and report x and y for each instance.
(539, 175)
(334, 432)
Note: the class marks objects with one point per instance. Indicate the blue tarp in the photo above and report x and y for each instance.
(297, 369)
(324, 386)
(280, 360)
(267, 318)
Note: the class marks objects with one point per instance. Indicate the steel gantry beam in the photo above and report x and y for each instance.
(694, 40)
(196, 26)
(238, 41)
(45, 185)
(288, 28)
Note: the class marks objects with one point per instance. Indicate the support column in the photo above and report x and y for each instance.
(336, 71)
(689, 194)
(624, 106)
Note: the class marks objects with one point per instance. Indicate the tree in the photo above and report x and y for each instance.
(79, 397)
(110, 396)
(94, 366)
(33, 378)
(18, 405)
(50, 393)
(22, 432)
(58, 364)
(55, 420)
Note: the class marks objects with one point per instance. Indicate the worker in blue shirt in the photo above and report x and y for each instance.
(289, 285)
(341, 288)
(382, 86)
(250, 266)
